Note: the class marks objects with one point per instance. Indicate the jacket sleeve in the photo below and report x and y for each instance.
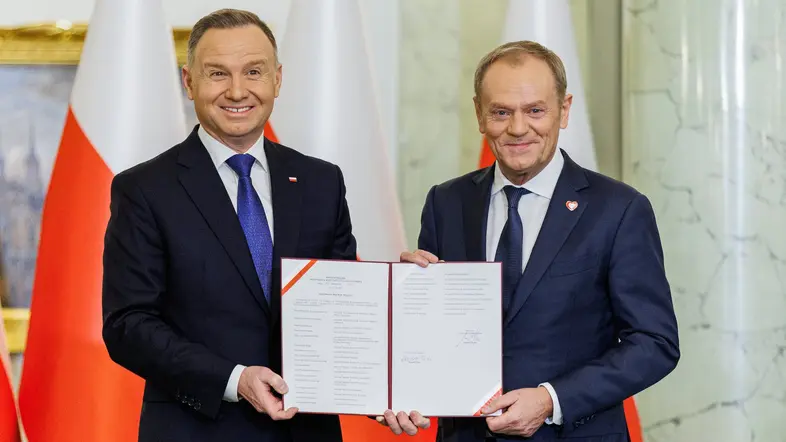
(427, 240)
(344, 243)
(640, 299)
(136, 334)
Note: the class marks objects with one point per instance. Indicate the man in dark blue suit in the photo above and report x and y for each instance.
(588, 316)
(193, 247)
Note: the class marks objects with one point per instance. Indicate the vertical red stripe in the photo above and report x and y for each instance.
(9, 425)
(71, 390)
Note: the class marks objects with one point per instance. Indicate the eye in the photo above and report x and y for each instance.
(216, 74)
(536, 110)
(255, 72)
(500, 113)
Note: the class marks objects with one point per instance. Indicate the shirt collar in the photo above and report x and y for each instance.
(542, 184)
(219, 152)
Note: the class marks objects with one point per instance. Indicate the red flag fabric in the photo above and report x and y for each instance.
(9, 423)
(125, 108)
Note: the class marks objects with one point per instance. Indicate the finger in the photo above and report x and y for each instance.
(504, 401)
(428, 255)
(276, 382)
(497, 424)
(285, 414)
(419, 420)
(414, 258)
(381, 420)
(390, 418)
(406, 424)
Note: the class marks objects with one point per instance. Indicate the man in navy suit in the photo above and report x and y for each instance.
(588, 316)
(193, 248)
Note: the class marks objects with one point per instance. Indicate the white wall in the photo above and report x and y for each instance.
(381, 23)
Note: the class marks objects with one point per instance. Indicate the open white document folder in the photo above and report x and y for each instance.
(363, 337)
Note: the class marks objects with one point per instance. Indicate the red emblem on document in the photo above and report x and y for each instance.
(293, 179)
(571, 205)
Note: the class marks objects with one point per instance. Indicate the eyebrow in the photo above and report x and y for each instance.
(261, 61)
(534, 103)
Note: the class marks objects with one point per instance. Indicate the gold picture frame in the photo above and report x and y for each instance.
(60, 43)
(57, 43)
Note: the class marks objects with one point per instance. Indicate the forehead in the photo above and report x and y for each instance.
(527, 78)
(236, 43)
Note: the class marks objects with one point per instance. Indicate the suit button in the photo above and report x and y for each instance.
(197, 406)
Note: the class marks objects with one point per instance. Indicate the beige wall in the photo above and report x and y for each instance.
(441, 42)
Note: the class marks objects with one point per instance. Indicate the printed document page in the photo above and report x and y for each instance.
(334, 318)
(446, 337)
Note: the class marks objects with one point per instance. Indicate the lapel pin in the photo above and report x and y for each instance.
(293, 179)
(571, 205)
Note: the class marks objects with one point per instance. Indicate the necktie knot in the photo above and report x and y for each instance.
(514, 194)
(241, 164)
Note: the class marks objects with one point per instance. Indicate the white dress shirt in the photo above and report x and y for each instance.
(260, 179)
(532, 210)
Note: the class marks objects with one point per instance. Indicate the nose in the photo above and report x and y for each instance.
(518, 125)
(237, 90)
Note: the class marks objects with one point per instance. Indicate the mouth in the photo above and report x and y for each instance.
(237, 110)
(521, 145)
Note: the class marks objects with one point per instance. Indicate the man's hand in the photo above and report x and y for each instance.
(524, 411)
(419, 257)
(257, 384)
(401, 422)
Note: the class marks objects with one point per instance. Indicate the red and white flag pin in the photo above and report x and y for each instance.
(293, 179)
(571, 205)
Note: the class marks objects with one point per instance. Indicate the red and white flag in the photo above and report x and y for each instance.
(327, 109)
(548, 22)
(9, 423)
(126, 107)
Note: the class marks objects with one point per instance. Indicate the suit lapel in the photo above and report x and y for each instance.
(205, 188)
(286, 201)
(557, 225)
(286, 212)
(474, 219)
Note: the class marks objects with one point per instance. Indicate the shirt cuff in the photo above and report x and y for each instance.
(230, 393)
(556, 416)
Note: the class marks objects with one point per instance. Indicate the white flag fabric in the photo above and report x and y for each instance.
(327, 109)
(549, 23)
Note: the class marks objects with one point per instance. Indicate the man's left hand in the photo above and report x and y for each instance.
(523, 411)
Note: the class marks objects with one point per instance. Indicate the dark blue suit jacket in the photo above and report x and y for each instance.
(592, 313)
(182, 302)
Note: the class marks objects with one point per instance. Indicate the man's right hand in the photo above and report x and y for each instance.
(419, 257)
(257, 384)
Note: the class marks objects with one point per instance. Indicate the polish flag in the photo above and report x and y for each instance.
(9, 423)
(327, 109)
(548, 22)
(125, 107)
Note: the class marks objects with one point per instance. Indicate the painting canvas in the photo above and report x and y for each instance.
(33, 104)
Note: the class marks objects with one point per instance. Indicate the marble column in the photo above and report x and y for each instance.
(704, 137)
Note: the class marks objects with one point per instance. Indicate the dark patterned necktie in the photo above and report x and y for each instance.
(253, 220)
(509, 250)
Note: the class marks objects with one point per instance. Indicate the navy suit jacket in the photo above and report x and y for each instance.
(182, 302)
(592, 313)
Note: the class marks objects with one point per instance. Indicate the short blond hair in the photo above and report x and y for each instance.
(514, 52)
(227, 19)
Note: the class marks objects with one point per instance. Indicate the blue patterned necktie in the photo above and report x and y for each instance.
(509, 250)
(253, 220)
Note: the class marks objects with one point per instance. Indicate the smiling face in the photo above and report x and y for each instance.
(233, 80)
(520, 114)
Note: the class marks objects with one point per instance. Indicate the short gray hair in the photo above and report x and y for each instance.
(227, 19)
(516, 50)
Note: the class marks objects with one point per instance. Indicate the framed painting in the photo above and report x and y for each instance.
(37, 68)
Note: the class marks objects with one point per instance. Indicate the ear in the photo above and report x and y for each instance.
(187, 79)
(479, 114)
(565, 111)
(278, 79)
